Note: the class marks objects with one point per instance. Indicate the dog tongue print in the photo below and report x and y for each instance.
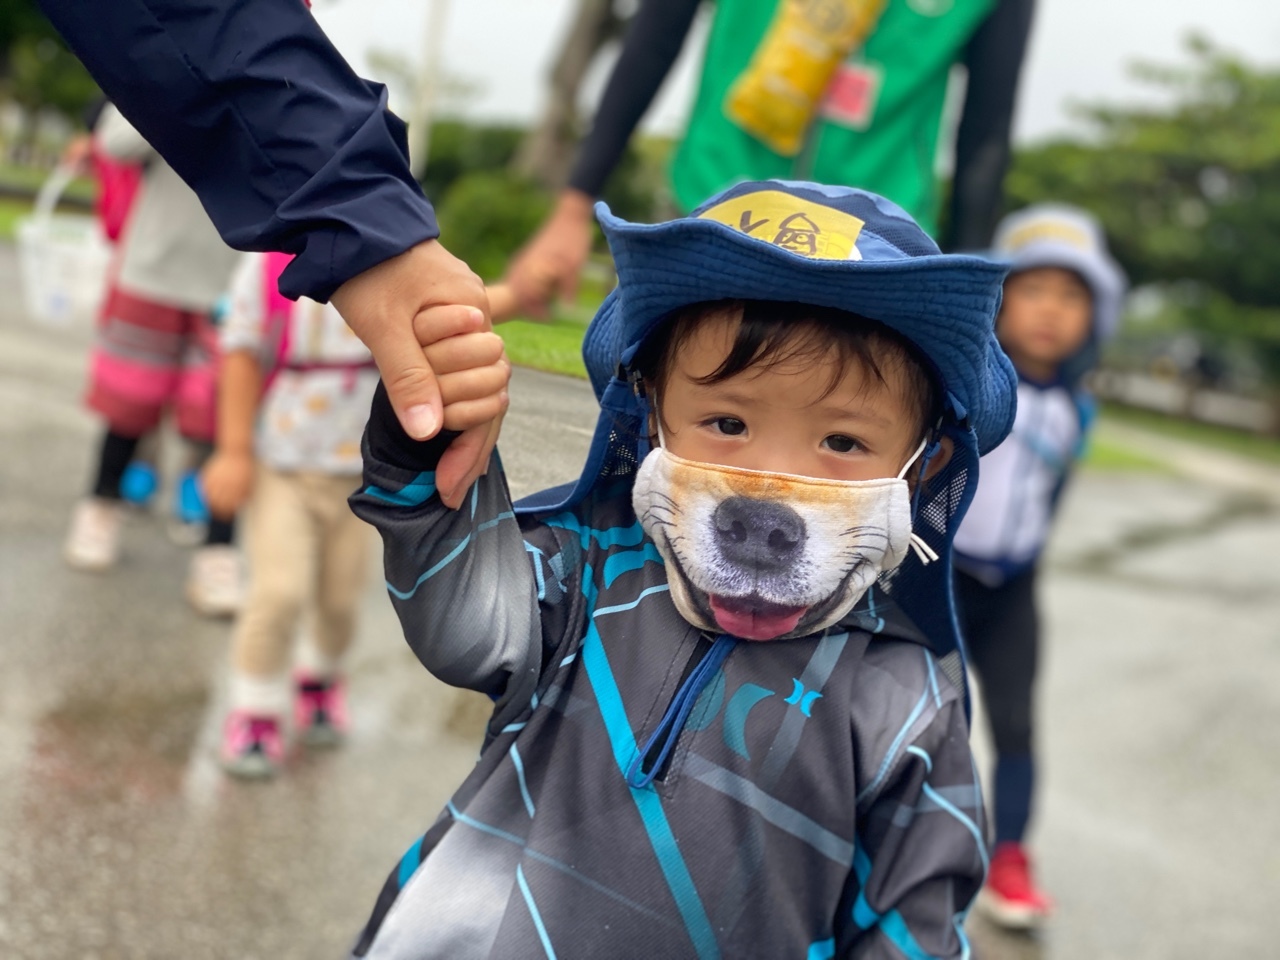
(764, 556)
(784, 220)
(759, 539)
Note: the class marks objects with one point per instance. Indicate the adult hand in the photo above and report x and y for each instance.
(556, 254)
(394, 308)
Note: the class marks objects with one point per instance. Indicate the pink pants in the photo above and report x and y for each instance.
(150, 356)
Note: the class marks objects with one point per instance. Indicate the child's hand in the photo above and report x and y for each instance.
(472, 369)
(227, 481)
(471, 366)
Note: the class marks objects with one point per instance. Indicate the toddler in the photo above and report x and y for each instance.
(1061, 300)
(729, 713)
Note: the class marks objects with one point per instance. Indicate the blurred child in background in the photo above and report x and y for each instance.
(293, 397)
(1062, 299)
(156, 349)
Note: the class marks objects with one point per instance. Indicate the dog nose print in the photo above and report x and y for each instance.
(758, 534)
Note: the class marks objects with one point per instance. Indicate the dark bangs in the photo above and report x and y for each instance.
(772, 334)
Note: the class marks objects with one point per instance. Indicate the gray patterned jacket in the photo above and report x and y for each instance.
(821, 800)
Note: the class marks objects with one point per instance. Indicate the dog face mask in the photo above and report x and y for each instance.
(767, 556)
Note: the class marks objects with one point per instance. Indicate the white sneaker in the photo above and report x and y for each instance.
(215, 583)
(93, 542)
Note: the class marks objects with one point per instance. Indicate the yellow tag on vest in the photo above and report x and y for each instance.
(778, 94)
(791, 222)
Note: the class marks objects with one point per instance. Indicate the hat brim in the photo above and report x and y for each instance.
(944, 304)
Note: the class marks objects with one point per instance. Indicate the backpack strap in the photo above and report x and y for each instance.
(277, 310)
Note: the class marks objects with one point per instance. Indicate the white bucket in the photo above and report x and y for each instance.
(63, 258)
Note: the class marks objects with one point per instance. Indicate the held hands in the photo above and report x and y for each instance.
(472, 370)
(227, 481)
(403, 309)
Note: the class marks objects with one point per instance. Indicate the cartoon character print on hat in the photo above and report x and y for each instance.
(791, 222)
(766, 556)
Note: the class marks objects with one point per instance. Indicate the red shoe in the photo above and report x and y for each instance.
(1010, 897)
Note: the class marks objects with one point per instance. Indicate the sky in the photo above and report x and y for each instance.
(1080, 51)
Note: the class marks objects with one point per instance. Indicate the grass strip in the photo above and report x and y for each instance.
(554, 346)
(1222, 438)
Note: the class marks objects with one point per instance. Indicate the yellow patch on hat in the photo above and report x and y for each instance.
(793, 223)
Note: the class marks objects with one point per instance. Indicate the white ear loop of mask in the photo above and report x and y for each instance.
(657, 418)
(925, 553)
(919, 545)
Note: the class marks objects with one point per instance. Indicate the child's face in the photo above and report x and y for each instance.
(1045, 319)
(781, 418)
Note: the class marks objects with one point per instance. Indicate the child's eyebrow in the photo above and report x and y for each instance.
(838, 412)
(718, 393)
(834, 411)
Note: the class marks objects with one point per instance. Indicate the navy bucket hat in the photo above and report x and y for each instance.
(798, 242)
(828, 246)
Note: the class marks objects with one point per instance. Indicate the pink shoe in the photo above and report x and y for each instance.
(1010, 897)
(320, 710)
(252, 746)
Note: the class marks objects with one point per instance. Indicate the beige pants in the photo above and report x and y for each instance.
(304, 546)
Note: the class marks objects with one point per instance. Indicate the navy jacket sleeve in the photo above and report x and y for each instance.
(253, 106)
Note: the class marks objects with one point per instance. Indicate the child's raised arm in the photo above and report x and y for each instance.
(461, 580)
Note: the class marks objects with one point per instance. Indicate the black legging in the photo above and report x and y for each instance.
(117, 451)
(1002, 635)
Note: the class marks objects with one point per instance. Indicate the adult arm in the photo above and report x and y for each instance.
(253, 106)
(289, 150)
(652, 44)
(554, 257)
(994, 60)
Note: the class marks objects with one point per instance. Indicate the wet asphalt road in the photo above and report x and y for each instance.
(1159, 827)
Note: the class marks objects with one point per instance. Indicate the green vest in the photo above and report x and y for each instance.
(885, 138)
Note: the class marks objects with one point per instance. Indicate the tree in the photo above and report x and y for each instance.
(44, 74)
(1189, 193)
(37, 71)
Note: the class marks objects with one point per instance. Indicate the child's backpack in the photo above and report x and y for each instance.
(118, 184)
(278, 327)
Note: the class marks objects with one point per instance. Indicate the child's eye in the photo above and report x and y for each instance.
(839, 443)
(730, 426)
